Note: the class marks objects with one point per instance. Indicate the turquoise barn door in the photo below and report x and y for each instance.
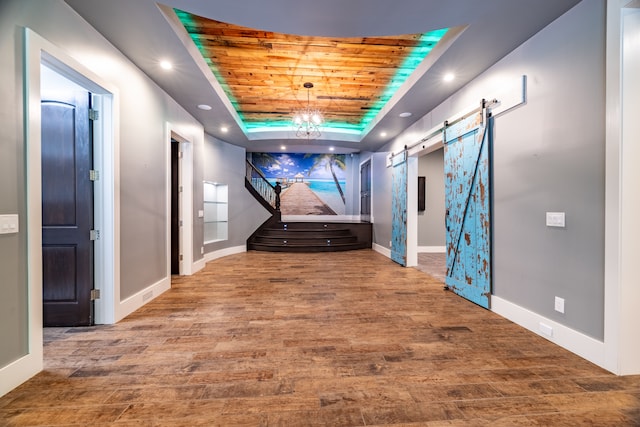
(399, 208)
(468, 209)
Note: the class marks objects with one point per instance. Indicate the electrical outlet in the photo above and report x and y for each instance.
(559, 304)
(545, 329)
(201, 250)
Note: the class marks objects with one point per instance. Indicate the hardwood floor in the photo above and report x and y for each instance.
(434, 264)
(335, 339)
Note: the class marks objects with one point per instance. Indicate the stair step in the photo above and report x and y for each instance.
(327, 233)
(306, 236)
(309, 248)
(301, 240)
(307, 225)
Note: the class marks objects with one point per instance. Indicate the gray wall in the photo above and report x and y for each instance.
(144, 112)
(13, 247)
(197, 238)
(548, 156)
(225, 163)
(431, 228)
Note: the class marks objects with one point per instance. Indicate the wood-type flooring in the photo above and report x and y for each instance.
(323, 339)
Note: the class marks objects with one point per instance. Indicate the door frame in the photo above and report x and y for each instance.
(106, 198)
(38, 50)
(185, 178)
(621, 352)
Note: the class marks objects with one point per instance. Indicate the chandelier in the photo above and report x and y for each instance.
(308, 121)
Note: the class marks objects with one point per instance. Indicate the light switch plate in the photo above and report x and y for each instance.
(555, 219)
(559, 305)
(9, 224)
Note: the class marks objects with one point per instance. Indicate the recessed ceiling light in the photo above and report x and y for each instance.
(383, 134)
(331, 148)
(449, 77)
(166, 65)
(204, 107)
(405, 114)
(224, 129)
(283, 147)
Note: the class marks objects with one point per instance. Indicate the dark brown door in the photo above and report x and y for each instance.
(67, 211)
(175, 207)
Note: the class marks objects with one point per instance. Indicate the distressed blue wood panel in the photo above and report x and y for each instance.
(399, 209)
(467, 202)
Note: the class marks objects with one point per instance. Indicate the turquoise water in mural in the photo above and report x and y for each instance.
(327, 191)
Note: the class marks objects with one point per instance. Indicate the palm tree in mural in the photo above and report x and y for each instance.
(264, 159)
(329, 162)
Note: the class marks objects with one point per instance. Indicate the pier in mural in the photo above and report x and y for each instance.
(312, 184)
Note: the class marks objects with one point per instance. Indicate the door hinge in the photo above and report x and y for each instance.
(94, 234)
(181, 257)
(94, 114)
(180, 154)
(180, 189)
(95, 294)
(94, 175)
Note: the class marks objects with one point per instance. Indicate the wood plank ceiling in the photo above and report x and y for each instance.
(263, 72)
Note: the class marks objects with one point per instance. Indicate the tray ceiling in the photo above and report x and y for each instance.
(262, 72)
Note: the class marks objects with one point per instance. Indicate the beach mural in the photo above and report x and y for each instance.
(312, 184)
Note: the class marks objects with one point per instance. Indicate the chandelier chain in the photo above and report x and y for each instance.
(307, 121)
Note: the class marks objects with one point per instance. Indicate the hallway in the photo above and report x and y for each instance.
(335, 339)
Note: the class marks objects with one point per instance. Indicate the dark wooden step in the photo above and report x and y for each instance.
(308, 248)
(309, 225)
(307, 232)
(307, 236)
(302, 240)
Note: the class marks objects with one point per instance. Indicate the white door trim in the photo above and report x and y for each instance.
(622, 184)
(186, 197)
(37, 51)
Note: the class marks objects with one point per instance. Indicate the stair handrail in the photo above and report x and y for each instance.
(262, 186)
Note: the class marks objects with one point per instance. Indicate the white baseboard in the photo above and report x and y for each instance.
(572, 340)
(198, 265)
(141, 298)
(381, 249)
(224, 252)
(432, 249)
(15, 373)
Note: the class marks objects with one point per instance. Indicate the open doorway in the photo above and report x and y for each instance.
(175, 206)
(431, 220)
(44, 60)
(179, 191)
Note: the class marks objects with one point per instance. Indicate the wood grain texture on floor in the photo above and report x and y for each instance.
(323, 339)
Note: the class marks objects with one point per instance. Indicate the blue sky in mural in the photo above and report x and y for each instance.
(279, 165)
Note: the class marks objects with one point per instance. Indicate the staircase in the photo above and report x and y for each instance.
(281, 236)
(276, 235)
